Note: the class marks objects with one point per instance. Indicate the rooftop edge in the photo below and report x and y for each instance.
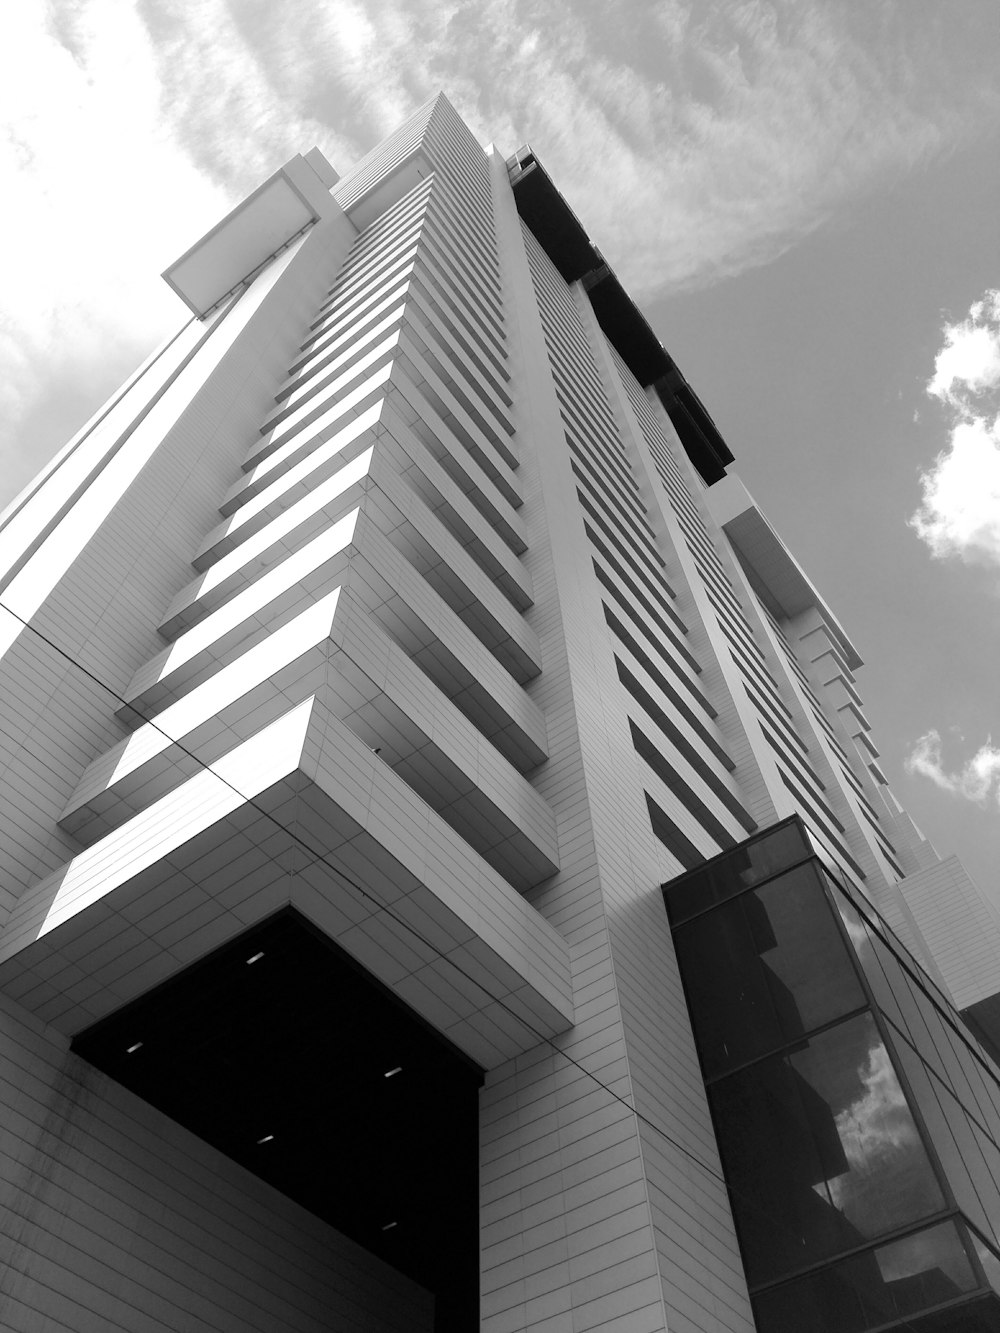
(564, 239)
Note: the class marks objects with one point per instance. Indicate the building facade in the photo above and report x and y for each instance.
(368, 664)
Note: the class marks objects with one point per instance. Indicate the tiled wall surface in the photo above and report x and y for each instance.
(399, 546)
(115, 1218)
(961, 927)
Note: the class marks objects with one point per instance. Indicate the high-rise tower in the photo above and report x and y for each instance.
(367, 665)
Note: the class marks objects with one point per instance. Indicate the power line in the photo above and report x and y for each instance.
(321, 857)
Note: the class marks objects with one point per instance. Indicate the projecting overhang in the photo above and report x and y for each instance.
(549, 217)
(773, 571)
(383, 877)
(562, 236)
(265, 222)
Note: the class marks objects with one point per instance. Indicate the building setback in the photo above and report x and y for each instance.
(367, 665)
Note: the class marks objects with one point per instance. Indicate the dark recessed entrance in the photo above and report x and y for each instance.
(281, 1052)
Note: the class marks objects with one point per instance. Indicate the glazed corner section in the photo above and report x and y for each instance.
(856, 1121)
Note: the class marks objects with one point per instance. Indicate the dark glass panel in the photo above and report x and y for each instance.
(740, 869)
(945, 1056)
(914, 1011)
(777, 1157)
(870, 1290)
(764, 969)
(888, 967)
(808, 958)
(871, 955)
(989, 1185)
(731, 1005)
(972, 1158)
(985, 1091)
(914, 1025)
(895, 972)
(820, 1151)
(956, 1169)
(974, 1316)
(989, 1259)
(889, 1180)
(990, 1081)
(966, 1074)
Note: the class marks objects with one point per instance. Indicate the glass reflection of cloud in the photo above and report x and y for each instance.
(890, 1180)
(879, 1122)
(855, 927)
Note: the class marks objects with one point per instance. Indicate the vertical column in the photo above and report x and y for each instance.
(119, 519)
(591, 1215)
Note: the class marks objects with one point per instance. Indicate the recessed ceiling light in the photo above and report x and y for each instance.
(389, 1226)
(389, 1072)
(255, 958)
(266, 1139)
(133, 1048)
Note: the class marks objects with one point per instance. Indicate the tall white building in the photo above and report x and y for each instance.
(367, 665)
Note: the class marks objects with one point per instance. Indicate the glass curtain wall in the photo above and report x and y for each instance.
(857, 1120)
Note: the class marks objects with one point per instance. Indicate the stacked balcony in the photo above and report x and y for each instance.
(338, 719)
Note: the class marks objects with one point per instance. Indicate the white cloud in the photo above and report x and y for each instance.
(103, 186)
(960, 510)
(978, 779)
(968, 365)
(709, 138)
(695, 140)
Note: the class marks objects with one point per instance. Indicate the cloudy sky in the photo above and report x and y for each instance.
(803, 194)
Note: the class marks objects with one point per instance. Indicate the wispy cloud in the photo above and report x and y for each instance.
(695, 139)
(967, 368)
(98, 197)
(960, 511)
(978, 779)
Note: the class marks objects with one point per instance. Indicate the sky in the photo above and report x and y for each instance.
(803, 196)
